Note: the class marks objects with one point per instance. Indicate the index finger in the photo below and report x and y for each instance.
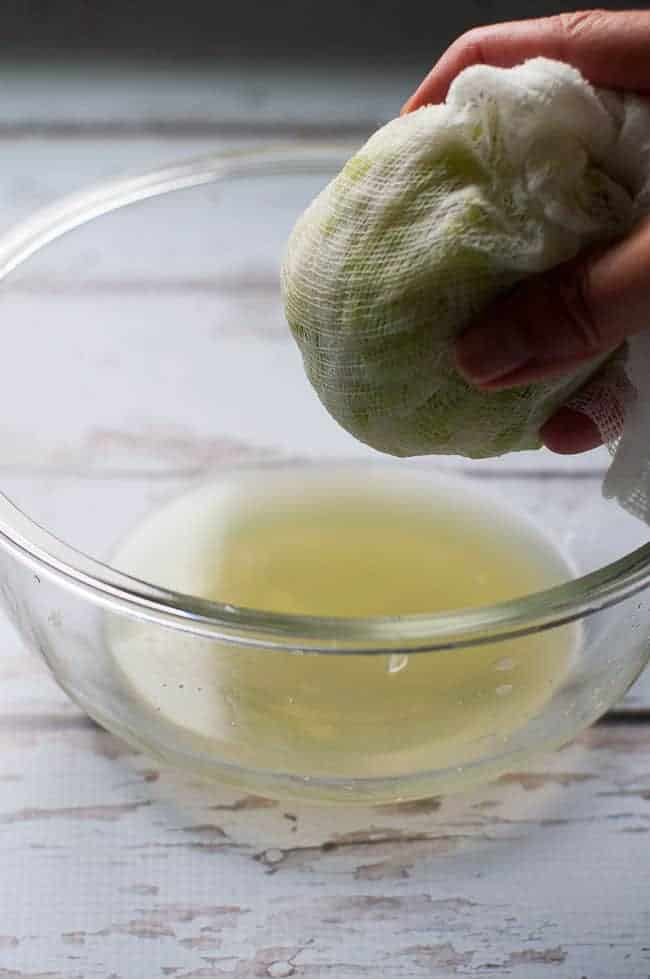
(609, 48)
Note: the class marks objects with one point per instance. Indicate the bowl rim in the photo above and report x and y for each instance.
(48, 555)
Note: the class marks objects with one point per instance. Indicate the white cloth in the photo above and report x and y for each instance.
(436, 215)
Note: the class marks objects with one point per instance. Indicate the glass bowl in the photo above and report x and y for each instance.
(150, 356)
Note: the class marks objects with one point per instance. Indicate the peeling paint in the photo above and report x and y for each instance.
(249, 803)
(145, 929)
(384, 870)
(532, 956)
(358, 841)
(15, 974)
(280, 970)
(200, 941)
(532, 781)
(442, 956)
(417, 807)
(205, 829)
(643, 794)
(628, 739)
(107, 745)
(172, 913)
(171, 445)
(360, 894)
(150, 775)
(108, 813)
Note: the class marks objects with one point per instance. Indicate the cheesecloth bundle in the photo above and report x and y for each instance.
(438, 213)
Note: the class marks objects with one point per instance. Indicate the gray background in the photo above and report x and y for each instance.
(284, 29)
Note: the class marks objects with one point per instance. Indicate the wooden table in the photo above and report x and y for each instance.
(113, 869)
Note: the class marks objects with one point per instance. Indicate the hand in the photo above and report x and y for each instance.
(554, 322)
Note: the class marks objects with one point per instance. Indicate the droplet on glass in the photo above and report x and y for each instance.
(397, 662)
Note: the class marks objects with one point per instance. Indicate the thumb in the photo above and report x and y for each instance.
(553, 323)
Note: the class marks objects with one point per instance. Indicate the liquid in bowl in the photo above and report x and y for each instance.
(340, 545)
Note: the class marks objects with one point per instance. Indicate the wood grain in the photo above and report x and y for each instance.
(188, 876)
(115, 869)
(263, 95)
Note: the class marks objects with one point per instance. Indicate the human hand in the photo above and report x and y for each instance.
(554, 322)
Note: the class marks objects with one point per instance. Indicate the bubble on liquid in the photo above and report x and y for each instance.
(397, 662)
(505, 664)
(504, 690)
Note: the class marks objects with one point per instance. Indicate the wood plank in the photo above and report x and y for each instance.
(163, 870)
(88, 302)
(164, 876)
(95, 511)
(234, 233)
(196, 265)
(207, 254)
(221, 97)
(38, 171)
(235, 371)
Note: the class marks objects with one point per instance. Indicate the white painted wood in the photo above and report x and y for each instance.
(36, 171)
(111, 868)
(149, 381)
(273, 95)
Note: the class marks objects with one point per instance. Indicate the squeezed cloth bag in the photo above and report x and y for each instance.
(441, 211)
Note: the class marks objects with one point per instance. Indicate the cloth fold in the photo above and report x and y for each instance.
(440, 212)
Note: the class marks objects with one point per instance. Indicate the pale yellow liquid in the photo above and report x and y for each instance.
(340, 545)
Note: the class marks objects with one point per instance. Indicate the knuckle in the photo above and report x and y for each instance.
(578, 312)
(578, 23)
(470, 44)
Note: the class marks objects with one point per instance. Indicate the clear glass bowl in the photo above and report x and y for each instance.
(152, 356)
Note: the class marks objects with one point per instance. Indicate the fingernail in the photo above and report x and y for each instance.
(569, 432)
(483, 355)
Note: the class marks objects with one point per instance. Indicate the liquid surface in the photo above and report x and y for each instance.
(341, 545)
